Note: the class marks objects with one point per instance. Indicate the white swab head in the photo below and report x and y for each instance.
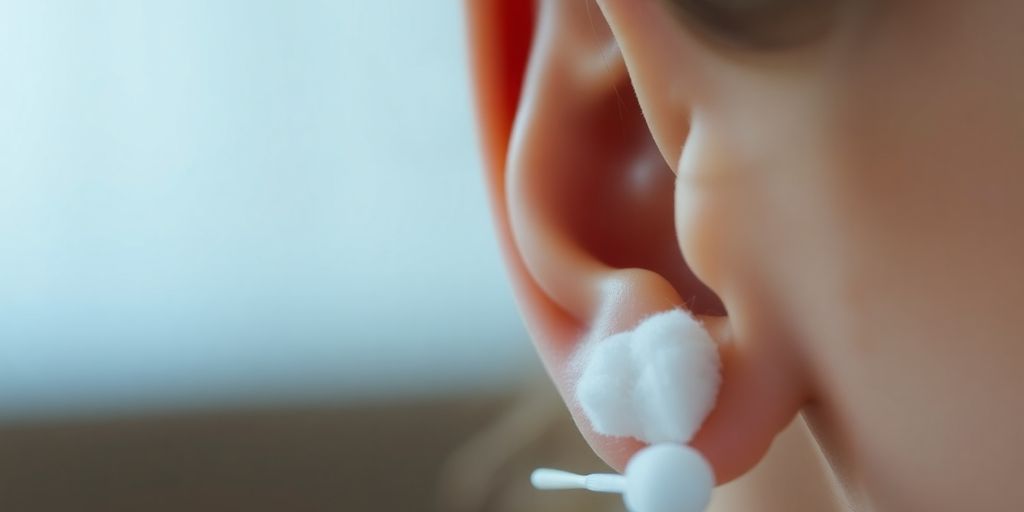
(668, 478)
(659, 478)
(554, 479)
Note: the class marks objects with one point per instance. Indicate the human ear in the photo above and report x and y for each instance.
(582, 195)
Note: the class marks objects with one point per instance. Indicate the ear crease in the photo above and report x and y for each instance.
(603, 70)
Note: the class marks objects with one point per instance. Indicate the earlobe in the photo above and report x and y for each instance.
(583, 199)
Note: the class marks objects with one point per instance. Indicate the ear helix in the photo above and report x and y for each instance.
(656, 383)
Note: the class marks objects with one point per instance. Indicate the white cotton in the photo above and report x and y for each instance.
(656, 383)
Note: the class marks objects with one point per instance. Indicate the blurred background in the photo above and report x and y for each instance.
(214, 203)
(246, 263)
(245, 258)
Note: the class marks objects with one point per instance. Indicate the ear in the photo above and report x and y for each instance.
(583, 203)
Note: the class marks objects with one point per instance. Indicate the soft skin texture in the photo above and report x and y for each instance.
(845, 216)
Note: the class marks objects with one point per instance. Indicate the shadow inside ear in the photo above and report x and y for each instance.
(616, 196)
(588, 191)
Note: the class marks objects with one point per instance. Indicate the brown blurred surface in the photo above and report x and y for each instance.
(385, 458)
(471, 455)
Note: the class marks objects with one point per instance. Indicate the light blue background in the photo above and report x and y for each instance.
(209, 203)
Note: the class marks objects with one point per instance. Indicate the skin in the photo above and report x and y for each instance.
(844, 214)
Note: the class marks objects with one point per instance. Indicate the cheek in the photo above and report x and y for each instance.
(756, 205)
(729, 228)
(760, 213)
(872, 216)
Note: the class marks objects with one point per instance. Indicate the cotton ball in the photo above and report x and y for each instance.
(655, 383)
(668, 478)
(605, 389)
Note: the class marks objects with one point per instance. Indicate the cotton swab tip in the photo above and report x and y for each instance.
(551, 479)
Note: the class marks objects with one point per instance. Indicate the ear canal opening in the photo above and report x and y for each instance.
(622, 209)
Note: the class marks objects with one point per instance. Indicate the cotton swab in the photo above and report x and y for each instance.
(555, 479)
(660, 478)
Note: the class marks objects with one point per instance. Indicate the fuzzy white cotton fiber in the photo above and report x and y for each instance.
(655, 383)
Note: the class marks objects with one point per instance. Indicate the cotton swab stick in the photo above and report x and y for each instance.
(660, 478)
(555, 479)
